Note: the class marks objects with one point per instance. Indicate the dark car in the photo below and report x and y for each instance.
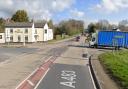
(77, 38)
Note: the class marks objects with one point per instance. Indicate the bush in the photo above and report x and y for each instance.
(58, 37)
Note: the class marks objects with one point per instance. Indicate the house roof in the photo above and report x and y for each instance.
(24, 24)
(39, 25)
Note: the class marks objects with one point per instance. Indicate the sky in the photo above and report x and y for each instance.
(58, 10)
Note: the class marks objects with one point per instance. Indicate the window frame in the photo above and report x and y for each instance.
(1, 36)
(11, 38)
(26, 30)
(45, 31)
(25, 38)
(35, 31)
(11, 30)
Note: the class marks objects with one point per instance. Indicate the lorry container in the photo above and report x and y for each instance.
(109, 39)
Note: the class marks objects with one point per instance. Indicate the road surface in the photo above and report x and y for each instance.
(17, 63)
(69, 71)
(69, 68)
(62, 76)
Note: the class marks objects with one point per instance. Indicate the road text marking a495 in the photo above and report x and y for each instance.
(70, 77)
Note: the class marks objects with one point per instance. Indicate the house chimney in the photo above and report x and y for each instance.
(7, 20)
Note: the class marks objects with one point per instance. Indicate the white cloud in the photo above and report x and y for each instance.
(59, 5)
(77, 14)
(111, 5)
(37, 9)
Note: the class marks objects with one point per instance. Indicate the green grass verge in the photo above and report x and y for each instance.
(116, 65)
(59, 38)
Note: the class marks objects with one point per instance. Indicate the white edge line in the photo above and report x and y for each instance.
(28, 76)
(41, 79)
(92, 78)
(30, 82)
(91, 73)
(1, 63)
(48, 59)
(42, 68)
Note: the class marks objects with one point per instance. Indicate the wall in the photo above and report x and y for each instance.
(40, 34)
(50, 34)
(2, 38)
(18, 32)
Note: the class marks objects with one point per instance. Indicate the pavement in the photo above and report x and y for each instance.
(69, 71)
(104, 79)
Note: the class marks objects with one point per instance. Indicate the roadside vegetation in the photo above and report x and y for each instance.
(116, 65)
(59, 38)
(62, 30)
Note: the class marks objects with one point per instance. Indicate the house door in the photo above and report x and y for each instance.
(19, 38)
(36, 38)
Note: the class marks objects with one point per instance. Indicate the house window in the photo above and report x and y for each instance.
(35, 31)
(11, 38)
(26, 30)
(45, 31)
(19, 38)
(0, 36)
(11, 30)
(36, 37)
(26, 38)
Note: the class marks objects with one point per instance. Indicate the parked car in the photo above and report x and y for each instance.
(77, 38)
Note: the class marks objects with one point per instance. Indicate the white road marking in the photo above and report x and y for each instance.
(30, 82)
(26, 78)
(90, 71)
(42, 68)
(69, 84)
(4, 62)
(41, 79)
(70, 76)
(91, 78)
(48, 58)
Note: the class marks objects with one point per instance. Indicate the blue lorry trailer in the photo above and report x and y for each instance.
(110, 39)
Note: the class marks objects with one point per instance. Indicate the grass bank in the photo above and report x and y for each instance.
(59, 38)
(117, 66)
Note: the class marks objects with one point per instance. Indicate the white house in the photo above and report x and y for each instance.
(27, 32)
(48, 34)
(2, 38)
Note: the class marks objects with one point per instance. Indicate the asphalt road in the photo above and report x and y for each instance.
(62, 76)
(16, 50)
(7, 53)
(69, 71)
